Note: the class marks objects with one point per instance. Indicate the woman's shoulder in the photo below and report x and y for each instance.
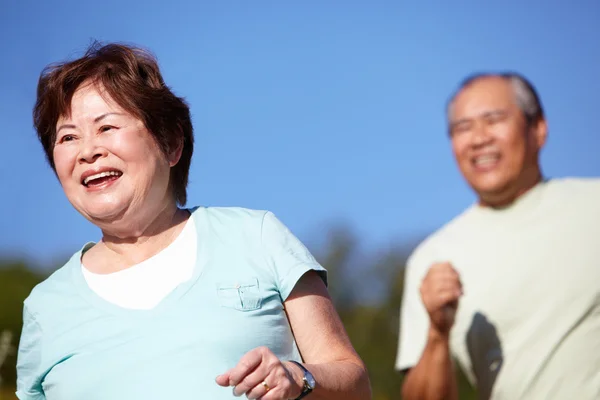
(235, 219)
(55, 287)
(234, 213)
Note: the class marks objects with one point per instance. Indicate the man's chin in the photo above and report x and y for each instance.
(490, 184)
(495, 195)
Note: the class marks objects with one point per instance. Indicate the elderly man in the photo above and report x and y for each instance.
(510, 288)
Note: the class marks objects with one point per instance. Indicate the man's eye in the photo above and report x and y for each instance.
(495, 117)
(460, 128)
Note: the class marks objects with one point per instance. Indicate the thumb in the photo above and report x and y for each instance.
(223, 379)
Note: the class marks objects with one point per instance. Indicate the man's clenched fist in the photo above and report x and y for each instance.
(440, 291)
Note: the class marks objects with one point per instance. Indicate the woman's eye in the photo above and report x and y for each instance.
(106, 128)
(66, 138)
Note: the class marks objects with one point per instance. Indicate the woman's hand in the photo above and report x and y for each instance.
(261, 375)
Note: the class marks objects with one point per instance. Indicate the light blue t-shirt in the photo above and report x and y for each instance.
(75, 345)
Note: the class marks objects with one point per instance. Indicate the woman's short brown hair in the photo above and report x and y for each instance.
(131, 77)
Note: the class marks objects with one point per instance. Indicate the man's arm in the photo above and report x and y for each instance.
(430, 300)
(433, 377)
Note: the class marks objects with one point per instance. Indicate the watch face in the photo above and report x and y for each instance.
(310, 380)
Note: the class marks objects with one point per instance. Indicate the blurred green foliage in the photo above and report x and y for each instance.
(372, 325)
(16, 281)
(373, 328)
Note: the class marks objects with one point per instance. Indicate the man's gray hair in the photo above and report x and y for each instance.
(525, 94)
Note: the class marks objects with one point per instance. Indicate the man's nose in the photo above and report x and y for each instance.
(481, 134)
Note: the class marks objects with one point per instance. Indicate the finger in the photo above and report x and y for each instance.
(444, 273)
(259, 390)
(444, 268)
(223, 379)
(278, 392)
(253, 379)
(435, 287)
(447, 286)
(442, 276)
(247, 364)
(434, 301)
(280, 384)
(448, 265)
(439, 276)
(452, 274)
(446, 298)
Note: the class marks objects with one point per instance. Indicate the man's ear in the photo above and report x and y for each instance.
(540, 132)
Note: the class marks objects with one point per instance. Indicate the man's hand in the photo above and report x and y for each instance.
(440, 291)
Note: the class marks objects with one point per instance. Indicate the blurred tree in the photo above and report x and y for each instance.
(6, 348)
(16, 282)
(373, 328)
(372, 321)
(340, 247)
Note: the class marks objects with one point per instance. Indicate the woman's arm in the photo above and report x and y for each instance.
(325, 348)
(324, 344)
(29, 386)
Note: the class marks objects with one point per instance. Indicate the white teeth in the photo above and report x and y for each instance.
(486, 159)
(100, 175)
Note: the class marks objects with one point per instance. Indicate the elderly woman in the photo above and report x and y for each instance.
(172, 302)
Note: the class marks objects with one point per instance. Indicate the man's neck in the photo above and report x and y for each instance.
(507, 198)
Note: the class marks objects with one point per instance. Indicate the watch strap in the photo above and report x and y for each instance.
(306, 389)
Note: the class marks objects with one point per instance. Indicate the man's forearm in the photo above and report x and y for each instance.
(433, 377)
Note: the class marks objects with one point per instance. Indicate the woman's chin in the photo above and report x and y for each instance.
(103, 213)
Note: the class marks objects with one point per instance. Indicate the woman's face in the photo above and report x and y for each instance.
(108, 164)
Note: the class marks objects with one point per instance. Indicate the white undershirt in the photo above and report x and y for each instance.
(146, 284)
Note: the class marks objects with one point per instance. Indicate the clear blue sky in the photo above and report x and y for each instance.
(320, 111)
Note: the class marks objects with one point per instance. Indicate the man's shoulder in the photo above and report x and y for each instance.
(580, 193)
(575, 185)
(433, 244)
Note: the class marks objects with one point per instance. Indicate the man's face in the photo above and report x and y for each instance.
(494, 146)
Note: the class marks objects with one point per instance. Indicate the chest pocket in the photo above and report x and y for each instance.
(242, 295)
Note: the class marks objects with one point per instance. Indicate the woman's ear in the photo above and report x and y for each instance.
(175, 154)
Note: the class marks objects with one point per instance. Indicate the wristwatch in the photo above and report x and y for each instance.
(309, 381)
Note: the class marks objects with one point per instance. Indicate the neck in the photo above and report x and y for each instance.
(507, 197)
(146, 237)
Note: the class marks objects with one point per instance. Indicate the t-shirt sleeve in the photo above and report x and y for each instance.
(29, 357)
(287, 255)
(414, 321)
